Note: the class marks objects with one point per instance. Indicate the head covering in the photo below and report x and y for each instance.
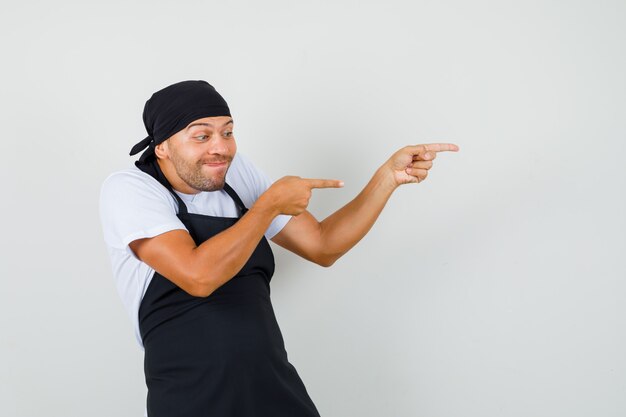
(171, 109)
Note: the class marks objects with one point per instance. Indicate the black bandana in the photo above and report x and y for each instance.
(171, 109)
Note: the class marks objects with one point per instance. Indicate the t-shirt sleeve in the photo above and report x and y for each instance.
(132, 207)
(260, 182)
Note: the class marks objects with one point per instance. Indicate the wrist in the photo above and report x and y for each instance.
(387, 177)
(263, 205)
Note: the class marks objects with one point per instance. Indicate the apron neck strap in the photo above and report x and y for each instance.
(242, 208)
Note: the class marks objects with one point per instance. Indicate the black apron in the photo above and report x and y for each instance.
(221, 355)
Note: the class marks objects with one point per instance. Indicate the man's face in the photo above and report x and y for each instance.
(202, 152)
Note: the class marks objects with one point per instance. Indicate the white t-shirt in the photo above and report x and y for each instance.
(134, 205)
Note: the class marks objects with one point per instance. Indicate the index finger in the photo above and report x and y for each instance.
(320, 183)
(435, 147)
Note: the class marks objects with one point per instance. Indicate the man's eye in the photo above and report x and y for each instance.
(229, 134)
(201, 137)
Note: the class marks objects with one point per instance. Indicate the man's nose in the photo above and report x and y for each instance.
(218, 145)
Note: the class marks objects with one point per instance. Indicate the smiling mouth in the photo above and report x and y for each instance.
(215, 163)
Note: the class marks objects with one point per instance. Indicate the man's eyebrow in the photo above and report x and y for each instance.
(206, 124)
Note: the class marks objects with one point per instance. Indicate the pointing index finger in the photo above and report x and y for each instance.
(321, 183)
(435, 147)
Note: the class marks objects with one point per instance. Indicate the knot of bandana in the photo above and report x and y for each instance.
(172, 108)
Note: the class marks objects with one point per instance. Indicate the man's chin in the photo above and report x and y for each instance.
(216, 185)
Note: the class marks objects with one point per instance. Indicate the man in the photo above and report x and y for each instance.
(187, 231)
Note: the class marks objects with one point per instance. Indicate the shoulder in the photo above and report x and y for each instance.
(129, 177)
(134, 205)
(134, 183)
(131, 191)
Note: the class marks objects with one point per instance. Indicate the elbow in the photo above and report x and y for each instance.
(201, 286)
(200, 282)
(200, 291)
(327, 260)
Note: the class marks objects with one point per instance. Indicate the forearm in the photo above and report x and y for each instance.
(343, 229)
(219, 258)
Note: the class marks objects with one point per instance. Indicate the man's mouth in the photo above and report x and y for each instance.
(215, 163)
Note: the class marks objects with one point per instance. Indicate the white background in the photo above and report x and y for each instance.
(494, 288)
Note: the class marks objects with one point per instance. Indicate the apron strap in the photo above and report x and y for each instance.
(235, 197)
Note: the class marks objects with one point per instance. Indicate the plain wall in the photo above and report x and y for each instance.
(494, 288)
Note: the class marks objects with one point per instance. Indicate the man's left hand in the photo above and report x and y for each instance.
(411, 163)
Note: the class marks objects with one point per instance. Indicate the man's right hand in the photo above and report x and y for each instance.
(291, 194)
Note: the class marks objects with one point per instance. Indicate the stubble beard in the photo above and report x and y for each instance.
(194, 176)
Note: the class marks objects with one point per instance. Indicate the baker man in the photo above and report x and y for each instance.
(187, 230)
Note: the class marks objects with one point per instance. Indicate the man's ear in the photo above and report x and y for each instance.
(161, 150)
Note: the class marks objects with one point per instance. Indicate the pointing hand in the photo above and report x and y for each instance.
(411, 163)
(290, 195)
